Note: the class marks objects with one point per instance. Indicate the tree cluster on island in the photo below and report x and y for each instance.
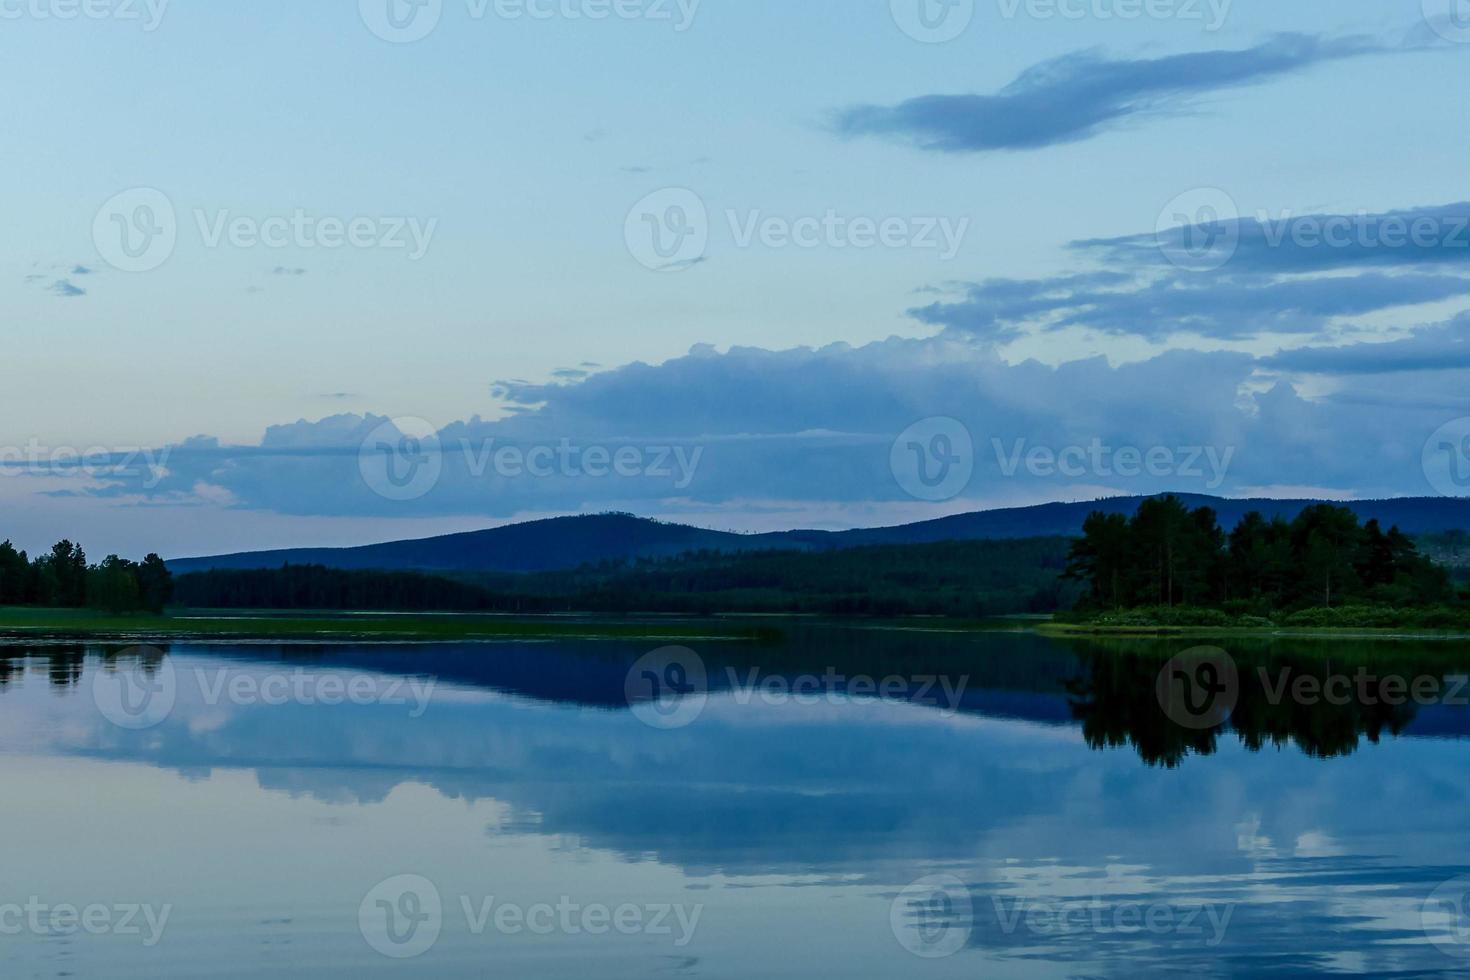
(1167, 556)
(62, 578)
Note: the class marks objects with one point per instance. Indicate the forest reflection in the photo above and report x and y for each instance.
(1107, 689)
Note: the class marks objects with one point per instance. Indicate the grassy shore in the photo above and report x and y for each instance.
(218, 624)
(1282, 632)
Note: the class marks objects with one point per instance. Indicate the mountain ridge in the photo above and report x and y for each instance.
(557, 543)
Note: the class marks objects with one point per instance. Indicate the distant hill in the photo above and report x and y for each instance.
(569, 542)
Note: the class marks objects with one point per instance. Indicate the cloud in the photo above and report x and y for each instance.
(1080, 95)
(1297, 275)
(1437, 236)
(282, 270)
(66, 289)
(1442, 348)
(1223, 307)
(813, 431)
(57, 278)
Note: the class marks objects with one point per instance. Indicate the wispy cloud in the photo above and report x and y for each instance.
(1293, 275)
(1445, 347)
(1078, 96)
(1437, 235)
(1232, 307)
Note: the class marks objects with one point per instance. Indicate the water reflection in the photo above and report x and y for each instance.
(1109, 689)
(1055, 792)
(1116, 701)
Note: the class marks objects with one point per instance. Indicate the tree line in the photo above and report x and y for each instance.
(1167, 555)
(953, 578)
(62, 578)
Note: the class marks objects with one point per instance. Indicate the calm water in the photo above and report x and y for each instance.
(1016, 807)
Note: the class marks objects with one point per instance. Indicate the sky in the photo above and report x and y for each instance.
(285, 274)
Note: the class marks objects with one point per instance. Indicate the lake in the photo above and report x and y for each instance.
(859, 802)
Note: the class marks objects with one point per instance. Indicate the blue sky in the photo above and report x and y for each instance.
(1050, 147)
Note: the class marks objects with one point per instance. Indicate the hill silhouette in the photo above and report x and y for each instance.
(570, 542)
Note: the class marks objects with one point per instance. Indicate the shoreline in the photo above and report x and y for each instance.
(23, 624)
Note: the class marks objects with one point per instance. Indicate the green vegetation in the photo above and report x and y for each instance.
(1168, 566)
(963, 579)
(63, 579)
(1164, 568)
(21, 622)
(1450, 550)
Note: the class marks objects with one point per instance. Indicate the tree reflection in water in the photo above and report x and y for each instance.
(1116, 700)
